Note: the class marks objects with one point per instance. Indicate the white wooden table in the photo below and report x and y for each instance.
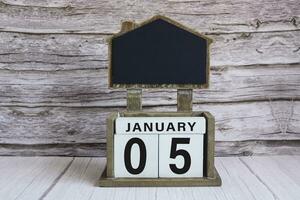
(264, 178)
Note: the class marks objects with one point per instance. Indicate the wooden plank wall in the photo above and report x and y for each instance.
(54, 96)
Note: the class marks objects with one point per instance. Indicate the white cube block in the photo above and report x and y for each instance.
(181, 155)
(136, 156)
(160, 125)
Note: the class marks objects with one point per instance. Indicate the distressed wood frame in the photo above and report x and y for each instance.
(130, 26)
(210, 178)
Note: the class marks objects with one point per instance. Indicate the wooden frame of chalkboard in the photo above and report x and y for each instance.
(210, 178)
(174, 86)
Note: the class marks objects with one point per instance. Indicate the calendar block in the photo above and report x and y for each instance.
(181, 155)
(159, 148)
(154, 158)
(136, 156)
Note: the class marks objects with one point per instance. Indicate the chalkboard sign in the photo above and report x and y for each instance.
(159, 53)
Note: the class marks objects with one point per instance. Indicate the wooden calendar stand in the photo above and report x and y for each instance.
(171, 56)
(184, 107)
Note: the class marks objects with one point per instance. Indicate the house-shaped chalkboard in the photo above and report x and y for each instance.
(159, 53)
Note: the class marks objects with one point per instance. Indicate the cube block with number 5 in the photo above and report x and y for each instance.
(181, 155)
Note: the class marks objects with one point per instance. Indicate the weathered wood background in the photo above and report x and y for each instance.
(54, 96)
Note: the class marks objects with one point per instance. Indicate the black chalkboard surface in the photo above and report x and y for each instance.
(159, 54)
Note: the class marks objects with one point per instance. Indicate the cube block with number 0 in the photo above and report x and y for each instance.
(136, 156)
(152, 147)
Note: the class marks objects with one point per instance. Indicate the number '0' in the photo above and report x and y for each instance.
(127, 156)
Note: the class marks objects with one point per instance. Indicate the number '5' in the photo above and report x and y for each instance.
(186, 156)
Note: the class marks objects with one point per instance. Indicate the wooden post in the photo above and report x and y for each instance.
(134, 99)
(127, 26)
(184, 100)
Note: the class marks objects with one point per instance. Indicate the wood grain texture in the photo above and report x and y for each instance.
(89, 87)
(273, 172)
(57, 149)
(234, 122)
(54, 95)
(102, 17)
(251, 178)
(61, 126)
(84, 173)
(64, 51)
(29, 177)
(223, 148)
(258, 147)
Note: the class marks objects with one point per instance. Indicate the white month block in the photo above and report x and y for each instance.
(160, 125)
(136, 156)
(181, 155)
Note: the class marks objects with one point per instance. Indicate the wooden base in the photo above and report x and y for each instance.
(159, 182)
